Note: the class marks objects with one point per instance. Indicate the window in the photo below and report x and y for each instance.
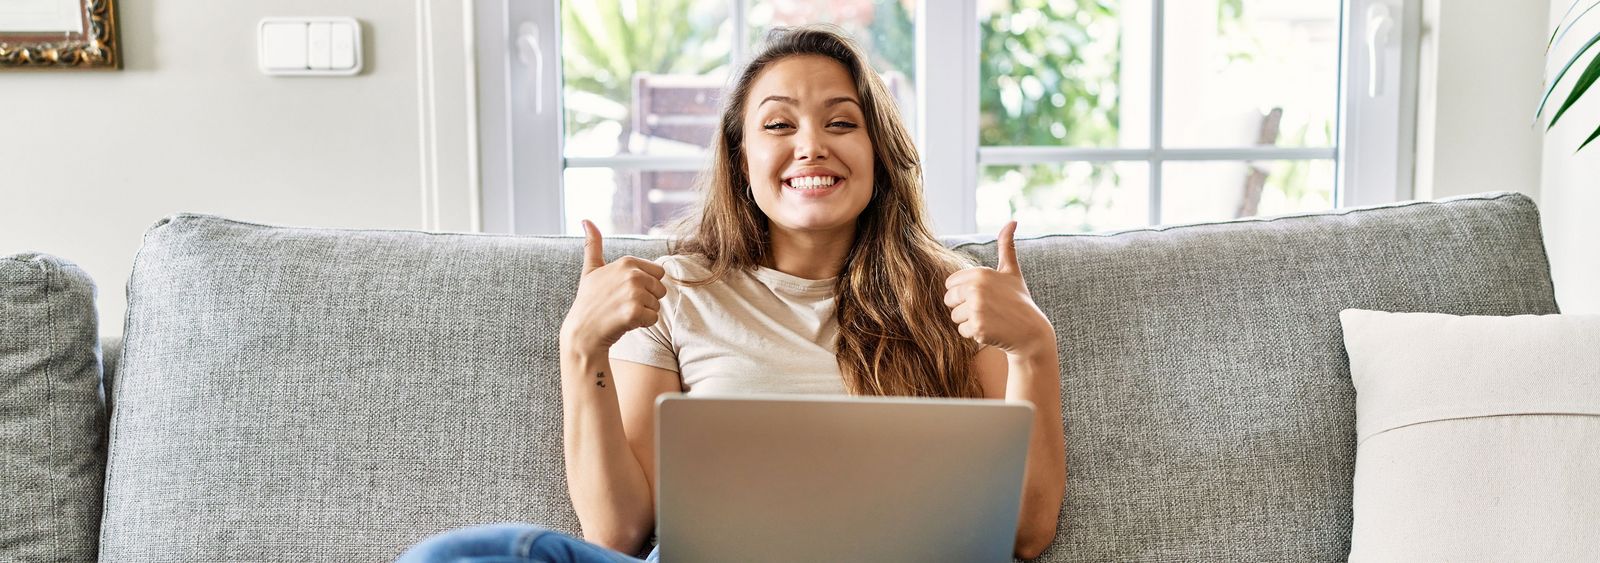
(1069, 115)
(1087, 122)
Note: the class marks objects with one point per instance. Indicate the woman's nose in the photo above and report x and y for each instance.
(810, 145)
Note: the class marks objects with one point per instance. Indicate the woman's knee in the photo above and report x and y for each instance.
(484, 541)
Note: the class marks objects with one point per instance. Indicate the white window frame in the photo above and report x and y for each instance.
(1378, 122)
(521, 136)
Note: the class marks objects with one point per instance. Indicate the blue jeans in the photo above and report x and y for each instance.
(512, 543)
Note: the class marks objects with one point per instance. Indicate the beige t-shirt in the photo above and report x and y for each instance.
(758, 332)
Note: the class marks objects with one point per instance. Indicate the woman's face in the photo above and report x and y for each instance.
(807, 152)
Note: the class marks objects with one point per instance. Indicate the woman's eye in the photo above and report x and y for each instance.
(844, 124)
(775, 125)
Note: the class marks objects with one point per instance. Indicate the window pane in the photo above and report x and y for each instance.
(642, 77)
(1064, 197)
(1230, 63)
(1053, 74)
(1211, 191)
(627, 201)
(885, 29)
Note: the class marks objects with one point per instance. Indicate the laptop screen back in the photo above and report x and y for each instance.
(807, 478)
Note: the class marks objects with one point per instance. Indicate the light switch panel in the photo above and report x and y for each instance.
(309, 46)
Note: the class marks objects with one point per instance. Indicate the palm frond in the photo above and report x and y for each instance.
(1592, 137)
(1559, 34)
(1578, 88)
(1564, 68)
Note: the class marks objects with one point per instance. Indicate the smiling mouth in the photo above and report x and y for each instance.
(810, 183)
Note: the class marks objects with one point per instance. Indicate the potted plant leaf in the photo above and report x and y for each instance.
(1590, 73)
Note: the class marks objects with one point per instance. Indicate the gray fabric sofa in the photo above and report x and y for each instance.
(307, 394)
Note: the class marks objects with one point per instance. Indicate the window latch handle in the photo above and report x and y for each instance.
(1380, 24)
(532, 55)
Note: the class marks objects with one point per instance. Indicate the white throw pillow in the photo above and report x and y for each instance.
(1478, 438)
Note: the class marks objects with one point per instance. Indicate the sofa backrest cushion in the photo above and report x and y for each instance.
(335, 394)
(52, 421)
(340, 394)
(1208, 403)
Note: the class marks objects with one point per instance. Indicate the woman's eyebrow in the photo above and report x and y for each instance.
(835, 101)
(793, 102)
(781, 99)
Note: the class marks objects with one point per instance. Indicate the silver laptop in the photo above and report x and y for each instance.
(828, 478)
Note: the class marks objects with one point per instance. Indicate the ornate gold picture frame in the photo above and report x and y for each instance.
(42, 34)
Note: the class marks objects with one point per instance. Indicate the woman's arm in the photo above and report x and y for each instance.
(1044, 481)
(606, 413)
(609, 428)
(992, 306)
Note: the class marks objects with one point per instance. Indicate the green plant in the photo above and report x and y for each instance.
(609, 41)
(1044, 84)
(1590, 73)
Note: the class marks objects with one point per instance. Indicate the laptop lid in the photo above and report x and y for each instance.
(831, 478)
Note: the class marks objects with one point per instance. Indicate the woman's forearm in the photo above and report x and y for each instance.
(608, 486)
(1036, 379)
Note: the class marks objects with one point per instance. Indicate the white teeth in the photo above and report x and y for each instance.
(811, 182)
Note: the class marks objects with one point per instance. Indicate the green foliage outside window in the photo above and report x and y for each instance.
(1043, 87)
(612, 40)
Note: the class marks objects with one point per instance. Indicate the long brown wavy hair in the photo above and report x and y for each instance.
(895, 333)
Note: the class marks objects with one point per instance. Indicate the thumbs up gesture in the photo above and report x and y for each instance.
(992, 305)
(612, 298)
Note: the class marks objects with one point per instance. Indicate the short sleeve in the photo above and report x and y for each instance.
(652, 345)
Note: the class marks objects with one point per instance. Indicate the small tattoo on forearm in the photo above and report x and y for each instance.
(600, 378)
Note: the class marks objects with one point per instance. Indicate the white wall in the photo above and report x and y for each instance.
(1479, 82)
(1482, 66)
(1570, 196)
(190, 124)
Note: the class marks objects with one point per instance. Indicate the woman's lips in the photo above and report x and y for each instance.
(815, 192)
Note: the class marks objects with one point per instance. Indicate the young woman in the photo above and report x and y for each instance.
(810, 268)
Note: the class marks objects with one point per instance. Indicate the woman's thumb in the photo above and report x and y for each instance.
(1006, 248)
(593, 253)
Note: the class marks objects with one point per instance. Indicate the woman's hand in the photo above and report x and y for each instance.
(993, 306)
(612, 298)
